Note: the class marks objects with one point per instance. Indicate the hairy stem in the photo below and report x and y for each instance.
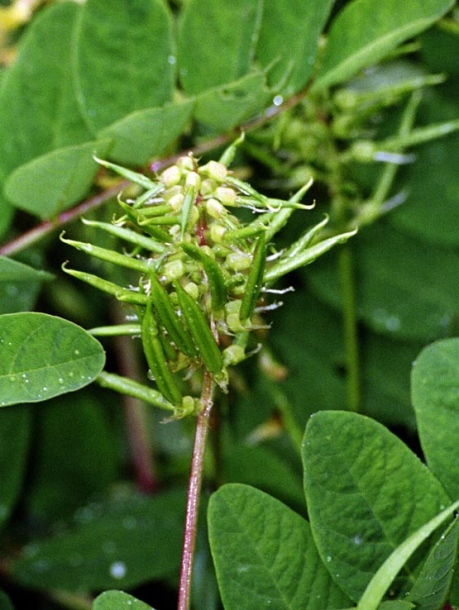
(194, 491)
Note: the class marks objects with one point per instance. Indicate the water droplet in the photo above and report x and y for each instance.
(45, 388)
(278, 99)
(357, 540)
(60, 380)
(118, 569)
(384, 319)
(76, 352)
(172, 60)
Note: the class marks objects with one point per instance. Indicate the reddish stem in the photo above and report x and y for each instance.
(194, 492)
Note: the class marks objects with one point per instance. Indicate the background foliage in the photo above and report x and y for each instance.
(360, 95)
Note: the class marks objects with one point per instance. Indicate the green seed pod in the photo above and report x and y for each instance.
(169, 318)
(110, 256)
(218, 292)
(127, 235)
(122, 294)
(188, 202)
(199, 329)
(134, 177)
(156, 359)
(255, 280)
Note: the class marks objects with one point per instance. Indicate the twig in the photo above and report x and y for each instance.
(194, 491)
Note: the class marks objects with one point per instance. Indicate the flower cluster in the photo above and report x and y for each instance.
(202, 270)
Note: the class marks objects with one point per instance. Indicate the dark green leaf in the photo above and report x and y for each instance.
(117, 600)
(124, 58)
(216, 42)
(433, 582)
(288, 40)
(431, 210)
(19, 285)
(120, 543)
(435, 396)
(42, 356)
(225, 107)
(356, 472)
(145, 134)
(53, 182)
(259, 466)
(14, 444)
(366, 30)
(265, 556)
(400, 290)
(61, 424)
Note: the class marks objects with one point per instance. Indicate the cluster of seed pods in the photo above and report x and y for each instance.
(201, 269)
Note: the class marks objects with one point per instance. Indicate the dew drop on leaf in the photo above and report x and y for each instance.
(118, 569)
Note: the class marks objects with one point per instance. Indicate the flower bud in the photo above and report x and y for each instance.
(226, 195)
(214, 208)
(238, 261)
(171, 176)
(215, 170)
(174, 270)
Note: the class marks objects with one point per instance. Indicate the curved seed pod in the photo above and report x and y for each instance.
(193, 182)
(134, 177)
(170, 320)
(156, 359)
(218, 291)
(127, 235)
(200, 331)
(254, 280)
(110, 256)
(122, 294)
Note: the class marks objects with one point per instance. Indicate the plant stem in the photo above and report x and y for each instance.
(194, 491)
(346, 274)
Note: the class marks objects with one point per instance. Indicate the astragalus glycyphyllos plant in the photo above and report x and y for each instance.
(204, 281)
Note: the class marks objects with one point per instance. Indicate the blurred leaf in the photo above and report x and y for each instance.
(288, 40)
(431, 210)
(440, 51)
(386, 366)
(435, 396)
(433, 582)
(145, 134)
(20, 285)
(117, 600)
(307, 339)
(71, 437)
(259, 466)
(119, 543)
(264, 554)
(124, 58)
(35, 93)
(366, 30)
(356, 472)
(225, 107)
(400, 291)
(53, 182)
(216, 42)
(14, 445)
(42, 356)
